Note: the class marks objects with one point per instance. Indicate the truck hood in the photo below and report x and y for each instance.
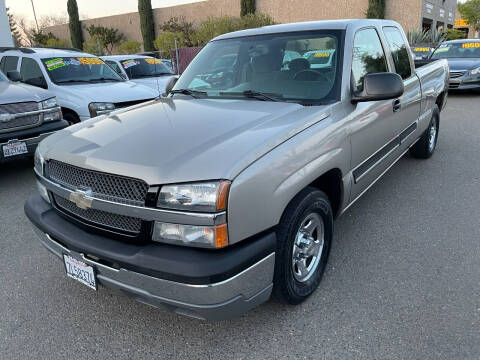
(157, 83)
(463, 64)
(18, 92)
(178, 140)
(113, 92)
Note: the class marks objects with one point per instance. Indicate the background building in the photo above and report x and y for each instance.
(411, 14)
(5, 34)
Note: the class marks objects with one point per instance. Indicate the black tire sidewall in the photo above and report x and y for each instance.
(287, 287)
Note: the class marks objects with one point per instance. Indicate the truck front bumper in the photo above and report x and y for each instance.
(210, 285)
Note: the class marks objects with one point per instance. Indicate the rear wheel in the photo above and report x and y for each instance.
(304, 237)
(425, 146)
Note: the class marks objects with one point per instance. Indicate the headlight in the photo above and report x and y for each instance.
(49, 103)
(55, 114)
(475, 71)
(99, 108)
(191, 235)
(204, 196)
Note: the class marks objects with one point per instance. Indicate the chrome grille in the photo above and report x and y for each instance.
(102, 218)
(104, 186)
(19, 108)
(456, 74)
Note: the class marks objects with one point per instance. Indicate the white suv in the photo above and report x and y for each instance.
(84, 85)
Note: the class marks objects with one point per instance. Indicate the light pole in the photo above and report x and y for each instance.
(35, 16)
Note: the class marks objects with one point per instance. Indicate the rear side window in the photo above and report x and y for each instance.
(398, 47)
(368, 57)
(31, 73)
(114, 66)
(8, 63)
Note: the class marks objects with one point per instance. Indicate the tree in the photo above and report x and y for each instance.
(247, 7)
(129, 47)
(166, 41)
(376, 9)
(74, 24)
(454, 34)
(14, 29)
(146, 23)
(108, 37)
(180, 25)
(470, 11)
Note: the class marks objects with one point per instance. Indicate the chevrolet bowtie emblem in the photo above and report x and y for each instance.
(4, 118)
(83, 199)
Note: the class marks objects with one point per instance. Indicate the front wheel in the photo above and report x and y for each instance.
(427, 143)
(304, 238)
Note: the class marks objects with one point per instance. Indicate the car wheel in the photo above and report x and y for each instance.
(427, 143)
(304, 237)
(71, 118)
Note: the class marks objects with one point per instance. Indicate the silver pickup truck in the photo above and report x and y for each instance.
(208, 201)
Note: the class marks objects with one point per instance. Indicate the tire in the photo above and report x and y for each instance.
(71, 117)
(425, 146)
(291, 284)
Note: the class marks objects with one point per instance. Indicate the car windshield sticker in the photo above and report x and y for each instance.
(73, 62)
(129, 63)
(442, 50)
(422, 49)
(471, 45)
(321, 54)
(90, 61)
(55, 64)
(153, 61)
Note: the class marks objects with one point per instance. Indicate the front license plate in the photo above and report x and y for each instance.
(14, 148)
(80, 271)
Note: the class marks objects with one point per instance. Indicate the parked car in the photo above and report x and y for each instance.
(84, 85)
(421, 52)
(143, 70)
(27, 115)
(463, 58)
(207, 201)
(159, 55)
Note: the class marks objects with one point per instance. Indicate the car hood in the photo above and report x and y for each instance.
(157, 83)
(113, 92)
(178, 140)
(18, 92)
(463, 64)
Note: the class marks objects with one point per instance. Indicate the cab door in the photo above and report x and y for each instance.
(409, 103)
(373, 131)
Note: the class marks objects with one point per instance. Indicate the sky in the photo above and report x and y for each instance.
(89, 8)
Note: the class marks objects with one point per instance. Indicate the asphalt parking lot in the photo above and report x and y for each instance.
(403, 280)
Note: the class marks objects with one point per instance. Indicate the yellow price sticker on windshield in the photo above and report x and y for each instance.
(153, 61)
(422, 49)
(90, 61)
(471, 45)
(321, 54)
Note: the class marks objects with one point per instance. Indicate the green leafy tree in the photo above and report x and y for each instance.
(108, 37)
(93, 46)
(180, 25)
(74, 24)
(376, 9)
(146, 24)
(470, 11)
(454, 34)
(166, 41)
(247, 7)
(129, 47)
(56, 42)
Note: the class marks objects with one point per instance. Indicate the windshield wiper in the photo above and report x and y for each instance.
(256, 95)
(104, 79)
(71, 81)
(192, 93)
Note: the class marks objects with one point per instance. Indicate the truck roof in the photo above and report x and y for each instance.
(44, 52)
(308, 26)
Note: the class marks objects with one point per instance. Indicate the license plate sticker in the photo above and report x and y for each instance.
(80, 271)
(13, 148)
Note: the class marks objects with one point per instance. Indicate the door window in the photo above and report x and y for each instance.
(8, 63)
(398, 47)
(368, 57)
(114, 66)
(31, 73)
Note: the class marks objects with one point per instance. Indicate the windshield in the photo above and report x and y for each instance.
(285, 66)
(144, 67)
(79, 69)
(457, 50)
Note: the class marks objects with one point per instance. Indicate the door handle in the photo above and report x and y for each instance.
(396, 105)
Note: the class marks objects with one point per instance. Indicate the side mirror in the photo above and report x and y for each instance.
(170, 84)
(14, 75)
(379, 86)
